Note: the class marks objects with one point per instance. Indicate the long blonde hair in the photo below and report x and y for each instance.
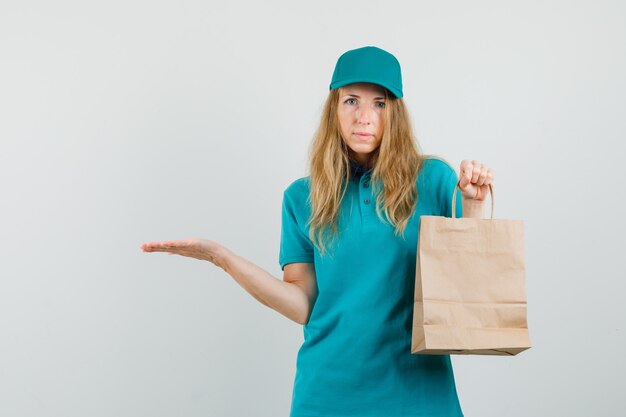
(396, 163)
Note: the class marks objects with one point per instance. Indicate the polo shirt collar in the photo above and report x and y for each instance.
(357, 170)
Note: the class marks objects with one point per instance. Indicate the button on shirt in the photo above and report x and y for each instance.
(356, 357)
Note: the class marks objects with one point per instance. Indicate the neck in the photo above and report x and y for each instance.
(361, 160)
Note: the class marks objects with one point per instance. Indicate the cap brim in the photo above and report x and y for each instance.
(397, 93)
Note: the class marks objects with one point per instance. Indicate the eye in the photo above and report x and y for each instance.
(380, 104)
(350, 101)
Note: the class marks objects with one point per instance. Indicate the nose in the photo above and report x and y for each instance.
(363, 114)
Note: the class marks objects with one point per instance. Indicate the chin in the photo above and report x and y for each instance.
(364, 148)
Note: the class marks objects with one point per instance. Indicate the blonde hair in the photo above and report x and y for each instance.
(396, 163)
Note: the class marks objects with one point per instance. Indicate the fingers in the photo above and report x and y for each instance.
(192, 248)
(165, 246)
(485, 177)
(465, 174)
(475, 172)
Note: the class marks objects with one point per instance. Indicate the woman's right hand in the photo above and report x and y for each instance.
(203, 249)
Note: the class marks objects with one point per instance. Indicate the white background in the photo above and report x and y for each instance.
(124, 122)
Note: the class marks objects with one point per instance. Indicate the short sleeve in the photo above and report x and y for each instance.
(295, 245)
(447, 190)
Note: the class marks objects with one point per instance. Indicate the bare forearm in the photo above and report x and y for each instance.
(473, 208)
(284, 297)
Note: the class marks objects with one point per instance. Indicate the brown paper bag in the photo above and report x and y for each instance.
(470, 290)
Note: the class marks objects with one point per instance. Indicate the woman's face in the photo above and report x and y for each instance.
(361, 113)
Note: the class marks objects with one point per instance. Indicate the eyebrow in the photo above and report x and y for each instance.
(354, 95)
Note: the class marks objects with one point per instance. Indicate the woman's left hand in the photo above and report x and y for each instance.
(474, 180)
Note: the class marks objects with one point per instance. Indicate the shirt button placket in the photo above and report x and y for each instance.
(366, 185)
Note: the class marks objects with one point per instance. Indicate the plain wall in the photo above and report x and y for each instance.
(126, 122)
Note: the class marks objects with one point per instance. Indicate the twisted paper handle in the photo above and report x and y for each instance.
(454, 200)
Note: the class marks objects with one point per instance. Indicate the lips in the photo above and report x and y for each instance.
(363, 134)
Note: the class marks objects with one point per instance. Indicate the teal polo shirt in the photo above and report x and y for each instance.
(356, 356)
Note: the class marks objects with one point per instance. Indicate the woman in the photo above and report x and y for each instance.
(348, 246)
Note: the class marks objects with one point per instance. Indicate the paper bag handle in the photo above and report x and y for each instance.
(454, 200)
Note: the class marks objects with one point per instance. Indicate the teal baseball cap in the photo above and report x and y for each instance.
(368, 64)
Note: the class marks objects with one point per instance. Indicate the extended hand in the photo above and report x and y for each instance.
(474, 180)
(206, 250)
